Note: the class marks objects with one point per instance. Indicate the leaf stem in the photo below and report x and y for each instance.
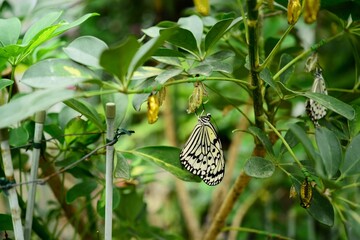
(303, 54)
(275, 49)
(283, 140)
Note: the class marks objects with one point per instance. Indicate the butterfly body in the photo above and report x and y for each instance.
(202, 154)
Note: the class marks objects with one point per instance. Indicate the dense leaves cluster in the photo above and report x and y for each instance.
(193, 57)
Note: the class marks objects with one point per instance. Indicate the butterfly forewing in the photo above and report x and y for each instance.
(202, 154)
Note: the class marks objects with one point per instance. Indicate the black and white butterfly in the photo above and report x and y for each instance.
(202, 154)
(315, 110)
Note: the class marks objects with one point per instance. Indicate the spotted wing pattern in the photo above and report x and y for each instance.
(315, 110)
(202, 154)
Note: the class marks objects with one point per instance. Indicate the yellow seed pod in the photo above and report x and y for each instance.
(293, 11)
(305, 193)
(311, 9)
(292, 192)
(153, 108)
(202, 7)
(195, 99)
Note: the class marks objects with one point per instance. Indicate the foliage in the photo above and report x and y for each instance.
(254, 71)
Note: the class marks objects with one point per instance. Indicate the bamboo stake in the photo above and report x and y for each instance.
(9, 174)
(110, 116)
(39, 126)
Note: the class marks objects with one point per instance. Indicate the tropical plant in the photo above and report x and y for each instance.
(283, 97)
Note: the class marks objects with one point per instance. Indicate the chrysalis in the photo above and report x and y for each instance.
(153, 108)
(315, 110)
(196, 98)
(305, 193)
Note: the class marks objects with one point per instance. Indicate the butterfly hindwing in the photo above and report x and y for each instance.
(202, 154)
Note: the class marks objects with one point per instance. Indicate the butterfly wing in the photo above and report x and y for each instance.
(315, 110)
(202, 154)
(215, 157)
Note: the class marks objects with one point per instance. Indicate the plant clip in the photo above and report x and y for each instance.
(118, 133)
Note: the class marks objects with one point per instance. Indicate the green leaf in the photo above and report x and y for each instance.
(166, 158)
(146, 50)
(185, 40)
(100, 206)
(301, 136)
(165, 52)
(203, 70)
(39, 26)
(6, 222)
(333, 104)
(121, 100)
(266, 76)
(5, 82)
(54, 73)
(86, 50)
(351, 165)
(354, 125)
(194, 25)
(146, 72)
(87, 110)
(80, 190)
(220, 56)
(132, 205)
(11, 51)
(10, 31)
(330, 150)
(167, 74)
(29, 104)
(66, 26)
(263, 139)
(154, 31)
(291, 140)
(117, 60)
(74, 127)
(285, 59)
(43, 36)
(18, 136)
(218, 30)
(221, 67)
(259, 167)
(122, 167)
(321, 209)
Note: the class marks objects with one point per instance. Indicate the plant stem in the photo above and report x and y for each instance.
(283, 140)
(254, 61)
(243, 180)
(275, 49)
(305, 53)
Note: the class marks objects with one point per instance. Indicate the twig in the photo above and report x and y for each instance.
(219, 220)
(39, 126)
(220, 193)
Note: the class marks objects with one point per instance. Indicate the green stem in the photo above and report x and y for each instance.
(275, 49)
(283, 140)
(253, 46)
(305, 53)
(244, 17)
